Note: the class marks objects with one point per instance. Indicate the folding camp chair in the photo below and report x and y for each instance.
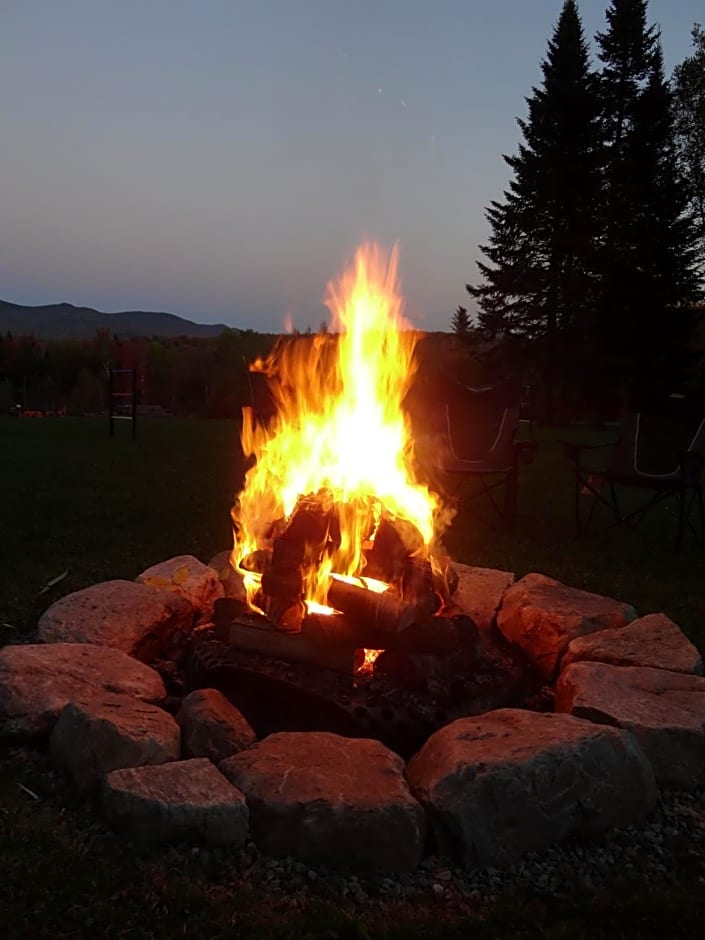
(477, 440)
(664, 457)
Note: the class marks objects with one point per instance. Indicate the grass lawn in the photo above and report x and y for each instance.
(74, 500)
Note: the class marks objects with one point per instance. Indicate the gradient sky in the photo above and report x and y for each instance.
(221, 159)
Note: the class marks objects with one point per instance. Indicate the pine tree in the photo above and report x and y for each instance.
(539, 282)
(647, 261)
(665, 281)
(689, 111)
(461, 322)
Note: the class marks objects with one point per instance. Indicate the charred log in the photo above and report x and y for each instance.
(225, 610)
(445, 580)
(417, 585)
(283, 582)
(290, 646)
(380, 613)
(439, 635)
(310, 526)
(395, 540)
(331, 630)
(257, 561)
(419, 670)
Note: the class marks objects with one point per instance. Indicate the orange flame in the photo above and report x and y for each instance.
(340, 431)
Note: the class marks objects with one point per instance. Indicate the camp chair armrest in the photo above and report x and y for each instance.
(524, 451)
(691, 458)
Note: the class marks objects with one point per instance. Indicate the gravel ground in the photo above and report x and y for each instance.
(666, 848)
(659, 851)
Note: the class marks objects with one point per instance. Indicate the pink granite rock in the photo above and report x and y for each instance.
(37, 681)
(187, 801)
(199, 584)
(654, 640)
(480, 591)
(325, 799)
(542, 616)
(510, 782)
(108, 732)
(664, 710)
(141, 620)
(212, 727)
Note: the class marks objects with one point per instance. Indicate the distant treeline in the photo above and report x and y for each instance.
(183, 375)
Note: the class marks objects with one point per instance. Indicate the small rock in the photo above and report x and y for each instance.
(212, 727)
(654, 640)
(184, 801)
(199, 584)
(109, 732)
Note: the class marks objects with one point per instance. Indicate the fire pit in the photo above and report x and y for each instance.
(338, 545)
(281, 690)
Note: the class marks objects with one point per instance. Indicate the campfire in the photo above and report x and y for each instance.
(335, 537)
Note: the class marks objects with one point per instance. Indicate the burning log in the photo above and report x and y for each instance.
(283, 582)
(331, 630)
(286, 614)
(278, 644)
(418, 586)
(445, 581)
(440, 635)
(310, 525)
(395, 540)
(381, 613)
(257, 561)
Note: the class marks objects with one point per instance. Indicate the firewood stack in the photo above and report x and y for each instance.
(413, 616)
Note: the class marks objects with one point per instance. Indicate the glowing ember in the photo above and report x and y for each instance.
(370, 660)
(370, 584)
(339, 436)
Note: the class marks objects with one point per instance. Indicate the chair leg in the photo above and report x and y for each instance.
(615, 503)
(681, 519)
(578, 524)
(510, 498)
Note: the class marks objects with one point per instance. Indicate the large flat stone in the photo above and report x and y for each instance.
(542, 616)
(199, 584)
(664, 710)
(188, 801)
(654, 640)
(480, 591)
(109, 732)
(325, 799)
(212, 727)
(511, 781)
(141, 620)
(37, 681)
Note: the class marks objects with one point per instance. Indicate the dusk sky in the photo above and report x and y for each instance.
(222, 159)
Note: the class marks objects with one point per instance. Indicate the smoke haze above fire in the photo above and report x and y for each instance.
(222, 160)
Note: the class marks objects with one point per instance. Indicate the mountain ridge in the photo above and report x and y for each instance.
(68, 321)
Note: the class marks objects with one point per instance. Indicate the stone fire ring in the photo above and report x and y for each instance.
(629, 717)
